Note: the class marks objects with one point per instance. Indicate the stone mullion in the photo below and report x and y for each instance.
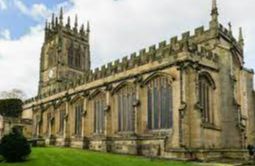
(98, 111)
(37, 129)
(106, 111)
(127, 112)
(137, 108)
(152, 105)
(121, 113)
(117, 106)
(84, 110)
(135, 113)
(72, 121)
(97, 116)
(40, 124)
(49, 124)
(101, 118)
(93, 113)
(95, 106)
(212, 105)
(65, 129)
(130, 112)
(159, 103)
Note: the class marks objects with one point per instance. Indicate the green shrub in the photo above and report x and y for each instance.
(10, 107)
(14, 147)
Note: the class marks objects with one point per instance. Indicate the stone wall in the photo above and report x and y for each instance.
(7, 123)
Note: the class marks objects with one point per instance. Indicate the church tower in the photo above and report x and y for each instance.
(65, 53)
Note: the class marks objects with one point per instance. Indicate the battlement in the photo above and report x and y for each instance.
(228, 35)
(159, 52)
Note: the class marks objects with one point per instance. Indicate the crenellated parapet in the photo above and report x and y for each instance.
(228, 35)
(165, 51)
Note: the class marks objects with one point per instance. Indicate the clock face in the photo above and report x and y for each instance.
(50, 75)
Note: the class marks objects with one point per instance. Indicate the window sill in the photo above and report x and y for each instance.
(50, 137)
(98, 135)
(159, 132)
(77, 138)
(59, 135)
(211, 126)
(126, 133)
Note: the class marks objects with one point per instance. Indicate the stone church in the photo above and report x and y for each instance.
(189, 97)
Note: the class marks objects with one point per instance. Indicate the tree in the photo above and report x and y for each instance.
(11, 107)
(14, 147)
(13, 94)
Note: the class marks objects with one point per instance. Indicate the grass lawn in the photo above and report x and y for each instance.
(74, 157)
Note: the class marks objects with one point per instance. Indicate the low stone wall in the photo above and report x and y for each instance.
(39, 142)
(154, 148)
(50, 141)
(206, 154)
(98, 145)
(123, 146)
(77, 143)
(60, 142)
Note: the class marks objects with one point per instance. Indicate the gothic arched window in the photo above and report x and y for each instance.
(74, 57)
(125, 99)
(71, 55)
(206, 87)
(62, 114)
(99, 113)
(36, 126)
(160, 110)
(78, 119)
(51, 57)
(48, 125)
(77, 58)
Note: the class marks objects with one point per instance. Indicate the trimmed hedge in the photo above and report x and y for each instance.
(10, 107)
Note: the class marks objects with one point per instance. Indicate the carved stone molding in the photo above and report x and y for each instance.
(182, 108)
(107, 108)
(84, 113)
(136, 103)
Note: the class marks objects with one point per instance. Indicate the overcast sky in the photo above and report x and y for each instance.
(118, 28)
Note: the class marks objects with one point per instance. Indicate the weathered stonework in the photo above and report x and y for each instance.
(213, 53)
(8, 123)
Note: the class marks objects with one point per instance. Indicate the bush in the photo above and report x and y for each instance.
(14, 147)
(10, 107)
